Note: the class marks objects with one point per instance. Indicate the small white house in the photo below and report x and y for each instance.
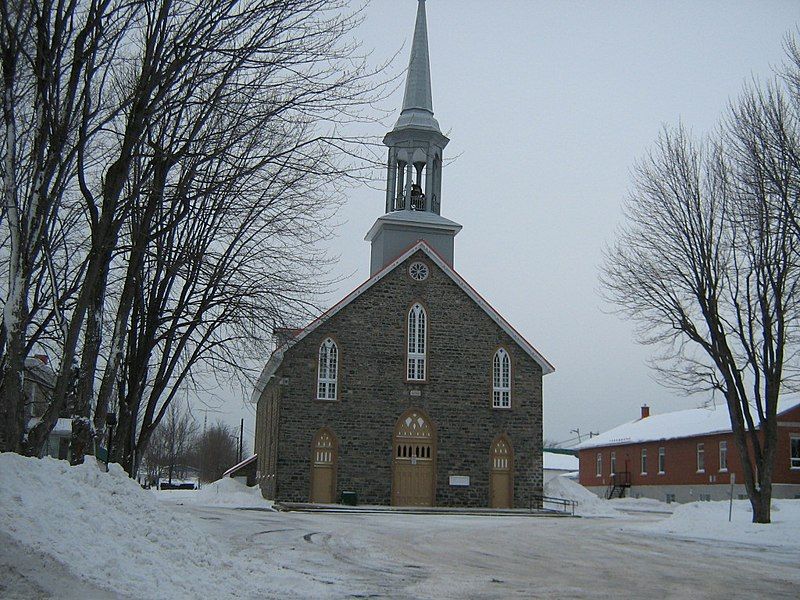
(559, 463)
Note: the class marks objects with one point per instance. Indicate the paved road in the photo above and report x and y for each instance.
(421, 556)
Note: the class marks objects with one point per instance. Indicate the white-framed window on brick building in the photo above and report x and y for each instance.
(501, 379)
(644, 461)
(599, 467)
(794, 450)
(701, 458)
(723, 456)
(328, 370)
(417, 325)
(613, 463)
(662, 460)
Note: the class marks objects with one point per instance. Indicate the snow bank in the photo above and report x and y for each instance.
(588, 504)
(108, 531)
(641, 505)
(709, 521)
(226, 492)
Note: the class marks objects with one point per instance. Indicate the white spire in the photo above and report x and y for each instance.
(418, 101)
(418, 80)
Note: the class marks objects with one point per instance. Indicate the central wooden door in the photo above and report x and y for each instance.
(323, 467)
(502, 475)
(414, 461)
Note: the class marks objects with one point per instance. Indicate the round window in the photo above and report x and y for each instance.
(418, 271)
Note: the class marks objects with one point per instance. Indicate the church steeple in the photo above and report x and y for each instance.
(414, 169)
(416, 142)
(418, 97)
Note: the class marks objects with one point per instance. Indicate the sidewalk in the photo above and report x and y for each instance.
(416, 510)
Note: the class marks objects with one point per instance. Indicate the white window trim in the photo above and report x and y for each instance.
(501, 379)
(643, 461)
(725, 468)
(792, 467)
(662, 458)
(598, 469)
(700, 450)
(328, 349)
(416, 345)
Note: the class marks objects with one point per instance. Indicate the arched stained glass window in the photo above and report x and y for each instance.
(328, 365)
(501, 380)
(417, 323)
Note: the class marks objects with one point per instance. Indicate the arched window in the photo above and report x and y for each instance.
(501, 380)
(416, 343)
(328, 364)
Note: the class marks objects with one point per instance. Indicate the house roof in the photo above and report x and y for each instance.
(559, 462)
(672, 425)
(240, 465)
(62, 427)
(40, 372)
(276, 359)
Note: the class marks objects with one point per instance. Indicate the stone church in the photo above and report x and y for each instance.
(411, 390)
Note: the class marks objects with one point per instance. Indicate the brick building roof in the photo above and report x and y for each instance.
(672, 425)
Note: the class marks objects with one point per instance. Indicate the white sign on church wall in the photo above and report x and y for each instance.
(459, 480)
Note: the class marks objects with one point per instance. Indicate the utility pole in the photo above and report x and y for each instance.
(241, 438)
(576, 432)
(202, 446)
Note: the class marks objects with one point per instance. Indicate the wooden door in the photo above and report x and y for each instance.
(414, 461)
(323, 467)
(502, 475)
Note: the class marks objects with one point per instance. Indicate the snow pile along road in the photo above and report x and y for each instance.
(103, 528)
(588, 504)
(709, 521)
(226, 492)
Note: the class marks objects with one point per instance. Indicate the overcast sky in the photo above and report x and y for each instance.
(548, 105)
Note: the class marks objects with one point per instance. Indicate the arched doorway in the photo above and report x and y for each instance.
(414, 460)
(324, 455)
(502, 476)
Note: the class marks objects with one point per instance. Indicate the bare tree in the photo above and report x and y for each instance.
(48, 53)
(707, 266)
(218, 451)
(245, 170)
(203, 144)
(172, 447)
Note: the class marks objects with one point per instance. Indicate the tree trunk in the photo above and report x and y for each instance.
(84, 437)
(761, 503)
(12, 396)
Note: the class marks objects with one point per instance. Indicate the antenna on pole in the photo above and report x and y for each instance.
(577, 432)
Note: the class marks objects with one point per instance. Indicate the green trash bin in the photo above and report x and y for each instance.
(349, 498)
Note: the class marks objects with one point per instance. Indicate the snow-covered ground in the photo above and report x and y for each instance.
(77, 532)
(225, 492)
(709, 521)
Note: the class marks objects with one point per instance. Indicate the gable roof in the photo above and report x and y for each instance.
(553, 461)
(672, 425)
(240, 465)
(276, 359)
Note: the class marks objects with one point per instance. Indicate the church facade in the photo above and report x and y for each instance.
(412, 390)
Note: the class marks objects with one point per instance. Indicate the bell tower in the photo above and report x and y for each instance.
(414, 168)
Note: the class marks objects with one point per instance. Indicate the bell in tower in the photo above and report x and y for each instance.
(414, 169)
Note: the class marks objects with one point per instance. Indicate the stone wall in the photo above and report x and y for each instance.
(372, 394)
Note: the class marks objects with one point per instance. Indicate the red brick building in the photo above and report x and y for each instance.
(684, 456)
